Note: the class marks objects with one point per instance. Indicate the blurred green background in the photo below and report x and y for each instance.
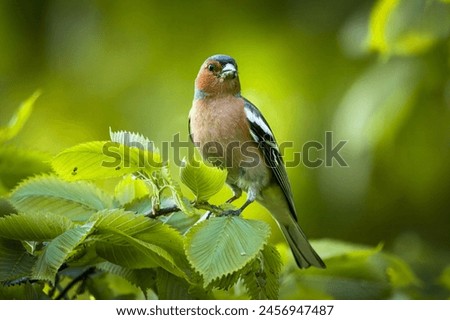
(375, 73)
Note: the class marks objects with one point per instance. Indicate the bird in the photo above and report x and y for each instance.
(231, 133)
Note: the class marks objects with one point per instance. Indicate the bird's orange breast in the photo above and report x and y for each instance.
(220, 130)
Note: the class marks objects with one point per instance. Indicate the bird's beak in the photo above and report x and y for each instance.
(229, 71)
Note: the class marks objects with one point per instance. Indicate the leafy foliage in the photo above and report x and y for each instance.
(354, 272)
(38, 226)
(19, 119)
(376, 72)
(262, 276)
(76, 200)
(205, 181)
(389, 34)
(222, 245)
(65, 229)
(16, 262)
(16, 164)
(59, 250)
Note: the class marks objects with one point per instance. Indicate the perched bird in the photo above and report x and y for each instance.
(231, 133)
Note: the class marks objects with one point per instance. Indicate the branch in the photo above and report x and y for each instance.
(81, 277)
(199, 205)
(162, 211)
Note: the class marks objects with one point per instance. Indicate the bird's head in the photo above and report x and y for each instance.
(218, 75)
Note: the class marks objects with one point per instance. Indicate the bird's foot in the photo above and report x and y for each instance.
(227, 213)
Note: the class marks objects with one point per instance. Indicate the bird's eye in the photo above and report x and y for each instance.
(211, 67)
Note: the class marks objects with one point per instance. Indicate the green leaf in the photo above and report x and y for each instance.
(223, 245)
(378, 23)
(59, 250)
(137, 254)
(6, 207)
(132, 139)
(18, 120)
(183, 203)
(143, 148)
(141, 278)
(76, 200)
(17, 164)
(444, 279)
(140, 206)
(332, 248)
(129, 189)
(171, 287)
(136, 242)
(97, 160)
(123, 221)
(15, 261)
(24, 291)
(353, 272)
(37, 226)
(399, 273)
(204, 180)
(261, 277)
(109, 286)
(227, 281)
(400, 27)
(179, 221)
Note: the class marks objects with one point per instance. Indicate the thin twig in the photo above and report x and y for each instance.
(209, 207)
(162, 211)
(81, 277)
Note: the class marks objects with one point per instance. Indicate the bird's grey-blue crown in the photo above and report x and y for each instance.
(223, 59)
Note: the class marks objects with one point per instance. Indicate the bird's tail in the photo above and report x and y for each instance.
(304, 254)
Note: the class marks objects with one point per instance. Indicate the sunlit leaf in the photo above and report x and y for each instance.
(140, 206)
(407, 27)
(179, 221)
(59, 250)
(183, 203)
(378, 24)
(123, 221)
(77, 200)
(36, 226)
(223, 245)
(204, 181)
(15, 261)
(96, 160)
(331, 248)
(129, 189)
(399, 272)
(18, 120)
(132, 139)
(137, 141)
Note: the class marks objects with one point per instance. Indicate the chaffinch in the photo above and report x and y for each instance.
(230, 132)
